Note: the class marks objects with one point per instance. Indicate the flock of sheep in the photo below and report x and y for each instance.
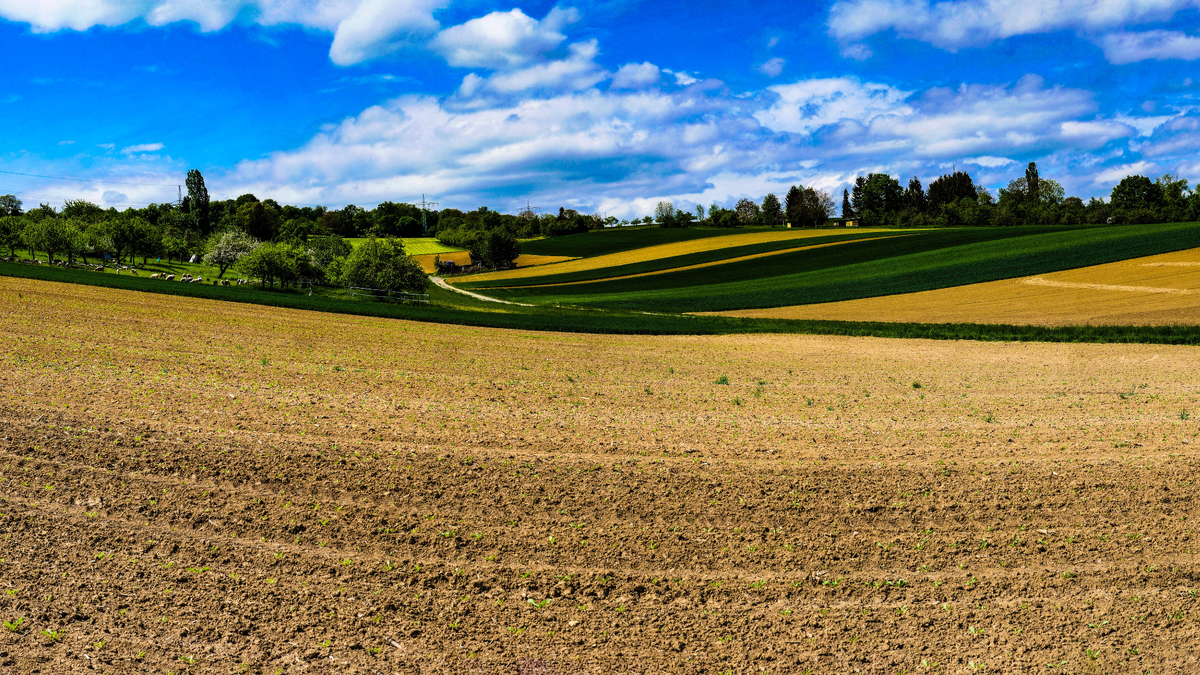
(189, 279)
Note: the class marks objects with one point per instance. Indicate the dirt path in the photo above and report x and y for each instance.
(442, 283)
(190, 486)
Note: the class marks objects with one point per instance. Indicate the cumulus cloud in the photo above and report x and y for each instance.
(1113, 175)
(954, 24)
(611, 148)
(596, 144)
(807, 105)
(362, 29)
(971, 121)
(576, 72)
(636, 76)
(773, 67)
(503, 39)
(378, 27)
(1159, 45)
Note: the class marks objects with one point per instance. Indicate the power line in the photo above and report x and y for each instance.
(86, 180)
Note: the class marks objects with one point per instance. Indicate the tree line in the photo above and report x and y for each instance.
(954, 200)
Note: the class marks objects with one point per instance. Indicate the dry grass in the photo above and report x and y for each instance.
(1156, 290)
(658, 252)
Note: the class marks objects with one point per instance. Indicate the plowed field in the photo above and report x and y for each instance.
(1149, 291)
(192, 486)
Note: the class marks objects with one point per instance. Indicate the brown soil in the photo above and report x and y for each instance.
(230, 484)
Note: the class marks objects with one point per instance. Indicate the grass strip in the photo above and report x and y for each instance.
(582, 321)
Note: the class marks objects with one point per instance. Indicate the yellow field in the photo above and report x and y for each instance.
(464, 258)
(709, 264)
(1156, 290)
(658, 252)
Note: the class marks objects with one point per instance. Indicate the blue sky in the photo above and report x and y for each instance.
(605, 106)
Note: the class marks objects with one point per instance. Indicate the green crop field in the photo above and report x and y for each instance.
(414, 246)
(921, 261)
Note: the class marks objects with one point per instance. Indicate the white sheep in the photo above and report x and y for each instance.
(156, 275)
(170, 277)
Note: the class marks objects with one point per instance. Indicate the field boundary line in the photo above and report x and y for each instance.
(1039, 281)
(744, 258)
(438, 281)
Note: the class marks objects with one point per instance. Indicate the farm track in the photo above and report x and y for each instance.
(282, 489)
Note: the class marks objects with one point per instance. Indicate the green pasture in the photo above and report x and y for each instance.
(924, 260)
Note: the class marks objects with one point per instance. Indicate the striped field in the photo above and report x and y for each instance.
(1149, 291)
(658, 252)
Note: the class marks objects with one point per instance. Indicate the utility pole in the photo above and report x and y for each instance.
(424, 206)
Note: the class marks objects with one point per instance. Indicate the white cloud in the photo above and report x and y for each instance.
(503, 39)
(989, 162)
(144, 147)
(636, 76)
(1158, 45)
(953, 24)
(577, 72)
(620, 149)
(681, 78)
(807, 105)
(378, 27)
(773, 67)
(1145, 125)
(591, 144)
(1114, 175)
(66, 142)
(363, 29)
